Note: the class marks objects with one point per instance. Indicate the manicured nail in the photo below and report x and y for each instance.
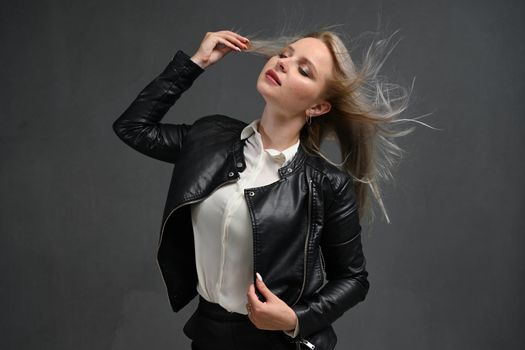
(258, 276)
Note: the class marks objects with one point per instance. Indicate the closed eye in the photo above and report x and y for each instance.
(302, 71)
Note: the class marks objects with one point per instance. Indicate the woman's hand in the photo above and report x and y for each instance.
(216, 45)
(273, 314)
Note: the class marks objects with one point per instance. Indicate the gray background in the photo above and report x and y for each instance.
(80, 211)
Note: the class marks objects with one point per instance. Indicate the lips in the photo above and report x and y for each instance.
(273, 75)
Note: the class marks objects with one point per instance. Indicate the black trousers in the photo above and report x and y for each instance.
(213, 327)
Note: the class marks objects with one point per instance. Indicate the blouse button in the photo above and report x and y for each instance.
(231, 174)
(289, 170)
(239, 165)
(251, 193)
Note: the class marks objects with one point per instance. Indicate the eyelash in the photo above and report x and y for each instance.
(300, 69)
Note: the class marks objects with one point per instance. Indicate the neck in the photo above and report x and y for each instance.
(278, 131)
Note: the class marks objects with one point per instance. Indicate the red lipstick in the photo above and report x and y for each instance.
(273, 75)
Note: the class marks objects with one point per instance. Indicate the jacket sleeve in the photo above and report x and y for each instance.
(344, 264)
(140, 127)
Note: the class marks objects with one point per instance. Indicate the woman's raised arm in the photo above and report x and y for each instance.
(140, 127)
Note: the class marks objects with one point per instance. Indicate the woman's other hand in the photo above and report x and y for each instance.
(273, 314)
(216, 45)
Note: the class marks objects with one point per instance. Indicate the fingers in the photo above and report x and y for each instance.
(238, 36)
(227, 43)
(213, 46)
(252, 297)
(235, 38)
(233, 42)
(239, 42)
(263, 288)
(250, 315)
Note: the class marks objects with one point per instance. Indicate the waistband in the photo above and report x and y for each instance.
(217, 312)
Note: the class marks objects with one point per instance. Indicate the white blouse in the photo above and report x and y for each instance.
(223, 230)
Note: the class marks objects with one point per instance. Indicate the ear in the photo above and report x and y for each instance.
(319, 109)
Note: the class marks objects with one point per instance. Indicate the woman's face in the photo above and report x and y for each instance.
(302, 69)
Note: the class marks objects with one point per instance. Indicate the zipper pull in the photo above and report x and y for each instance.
(307, 343)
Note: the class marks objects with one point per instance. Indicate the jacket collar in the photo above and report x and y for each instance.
(282, 157)
(290, 168)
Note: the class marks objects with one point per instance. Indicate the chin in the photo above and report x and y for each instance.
(266, 90)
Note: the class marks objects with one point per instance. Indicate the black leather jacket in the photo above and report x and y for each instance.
(306, 231)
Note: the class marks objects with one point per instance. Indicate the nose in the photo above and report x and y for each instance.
(281, 64)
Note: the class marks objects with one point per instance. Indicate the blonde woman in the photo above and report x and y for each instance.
(257, 221)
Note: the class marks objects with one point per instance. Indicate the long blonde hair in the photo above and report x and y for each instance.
(365, 111)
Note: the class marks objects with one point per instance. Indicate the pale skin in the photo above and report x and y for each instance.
(282, 119)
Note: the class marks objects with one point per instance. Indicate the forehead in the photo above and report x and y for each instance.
(316, 51)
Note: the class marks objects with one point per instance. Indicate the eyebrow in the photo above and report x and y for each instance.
(306, 59)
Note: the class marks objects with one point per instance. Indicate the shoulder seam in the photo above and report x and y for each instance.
(324, 172)
(340, 192)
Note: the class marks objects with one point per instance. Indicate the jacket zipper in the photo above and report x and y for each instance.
(322, 259)
(304, 340)
(306, 241)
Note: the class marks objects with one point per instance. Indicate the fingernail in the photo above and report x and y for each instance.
(258, 276)
(238, 49)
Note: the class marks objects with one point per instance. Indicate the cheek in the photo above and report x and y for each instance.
(301, 91)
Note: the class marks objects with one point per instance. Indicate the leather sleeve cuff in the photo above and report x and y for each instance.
(183, 64)
(304, 317)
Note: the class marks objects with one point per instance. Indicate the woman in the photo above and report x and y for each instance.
(255, 199)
